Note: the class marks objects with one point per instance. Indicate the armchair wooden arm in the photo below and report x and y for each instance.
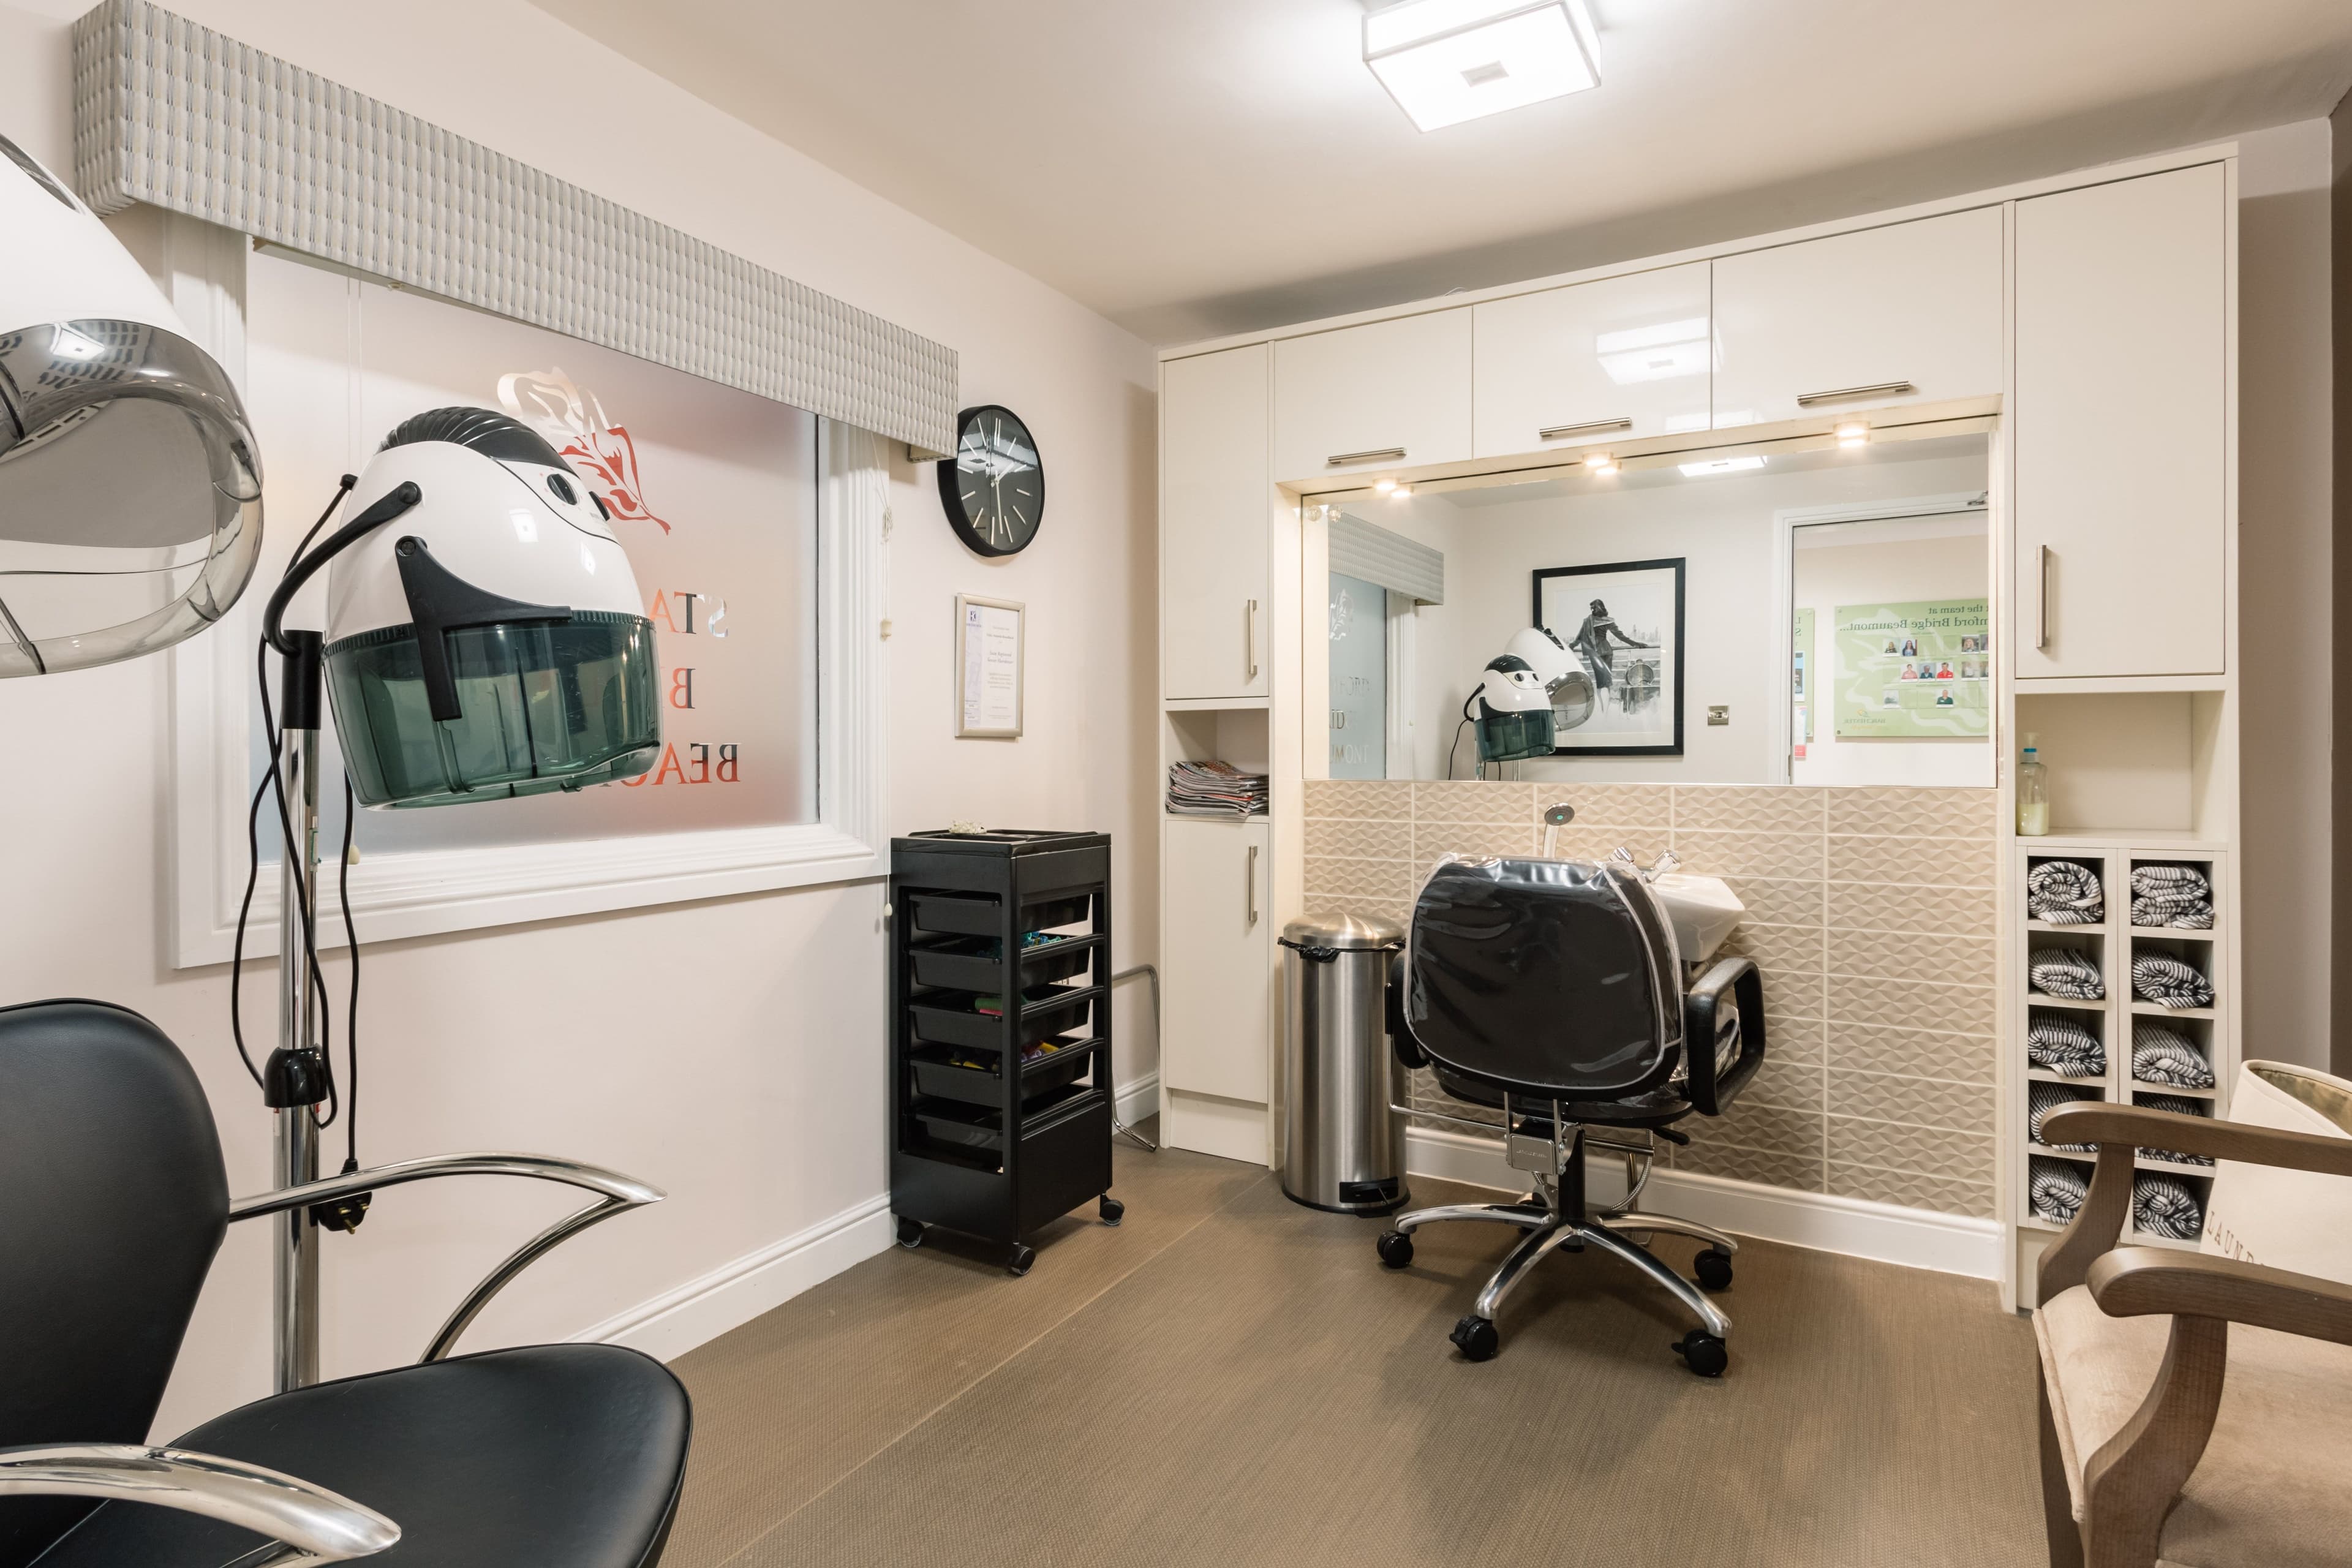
(2137, 1281)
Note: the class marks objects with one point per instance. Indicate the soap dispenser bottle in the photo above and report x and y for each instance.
(2033, 794)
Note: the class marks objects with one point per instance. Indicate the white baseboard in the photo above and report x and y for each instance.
(1859, 1227)
(1138, 1099)
(734, 1293)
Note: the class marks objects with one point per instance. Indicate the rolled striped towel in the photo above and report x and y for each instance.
(2188, 917)
(2162, 1205)
(2178, 896)
(2162, 1054)
(2065, 1047)
(2169, 982)
(2041, 1100)
(2066, 893)
(2179, 1107)
(2057, 1189)
(2062, 972)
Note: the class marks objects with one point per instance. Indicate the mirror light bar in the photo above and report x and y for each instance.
(1445, 61)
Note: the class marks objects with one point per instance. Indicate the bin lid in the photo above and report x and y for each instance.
(1346, 932)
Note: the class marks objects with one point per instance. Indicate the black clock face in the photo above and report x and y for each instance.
(994, 488)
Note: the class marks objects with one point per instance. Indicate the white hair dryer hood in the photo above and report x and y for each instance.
(489, 640)
(129, 484)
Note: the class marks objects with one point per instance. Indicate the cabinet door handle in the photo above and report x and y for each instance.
(1249, 886)
(1249, 636)
(1845, 393)
(1589, 427)
(1338, 458)
(2041, 601)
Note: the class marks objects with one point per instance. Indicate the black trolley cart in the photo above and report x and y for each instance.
(1001, 1094)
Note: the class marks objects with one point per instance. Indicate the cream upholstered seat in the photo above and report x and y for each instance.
(2274, 1489)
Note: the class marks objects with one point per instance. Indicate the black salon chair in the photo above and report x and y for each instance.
(1553, 992)
(113, 1200)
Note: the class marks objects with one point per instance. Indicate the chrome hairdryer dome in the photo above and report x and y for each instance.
(129, 484)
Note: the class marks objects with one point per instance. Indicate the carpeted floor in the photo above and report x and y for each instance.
(1229, 1379)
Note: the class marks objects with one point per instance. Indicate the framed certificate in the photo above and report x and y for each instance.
(988, 655)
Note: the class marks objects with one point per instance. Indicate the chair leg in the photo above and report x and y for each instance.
(1531, 1251)
(2057, 1502)
(1672, 1225)
(1525, 1216)
(1709, 1315)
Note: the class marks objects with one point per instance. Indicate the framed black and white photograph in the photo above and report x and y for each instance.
(1623, 622)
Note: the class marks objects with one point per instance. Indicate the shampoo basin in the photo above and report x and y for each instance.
(1702, 910)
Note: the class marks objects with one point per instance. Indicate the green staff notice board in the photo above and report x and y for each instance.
(1915, 671)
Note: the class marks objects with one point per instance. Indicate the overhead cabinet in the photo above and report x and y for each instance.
(1217, 955)
(1215, 491)
(1358, 400)
(1615, 359)
(1910, 312)
(2121, 428)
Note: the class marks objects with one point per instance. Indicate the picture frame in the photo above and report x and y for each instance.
(991, 675)
(1602, 613)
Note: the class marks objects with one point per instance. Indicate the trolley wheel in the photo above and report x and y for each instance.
(1713, 1267)
(1395, 1249)
(1702, 1352)
(1111, 1209)
(1021, 1256)
(1476, 1338)
(910, 1233)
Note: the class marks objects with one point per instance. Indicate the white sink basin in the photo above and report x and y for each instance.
(1702, 910)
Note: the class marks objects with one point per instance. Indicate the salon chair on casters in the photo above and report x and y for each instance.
(1554, 991)
(113, 1200)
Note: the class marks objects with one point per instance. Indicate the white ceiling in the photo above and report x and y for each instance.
(1194, 167)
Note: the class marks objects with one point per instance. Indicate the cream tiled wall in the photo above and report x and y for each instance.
(1869, 912)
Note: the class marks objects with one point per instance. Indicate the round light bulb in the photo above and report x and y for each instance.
(1384, 485)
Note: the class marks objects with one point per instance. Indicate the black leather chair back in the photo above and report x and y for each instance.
(112, 1202)
(1550, 979)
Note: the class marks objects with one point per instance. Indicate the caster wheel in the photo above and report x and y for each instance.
(1018, 1263)
(1477, 1338)
(1111, 1209)
(910, 1233)
(1714, 1270)
(1395, 1249)
(1702, 1353)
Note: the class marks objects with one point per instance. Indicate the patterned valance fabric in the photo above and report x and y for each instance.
(177, 116)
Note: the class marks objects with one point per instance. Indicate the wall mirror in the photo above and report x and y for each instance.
(1790, 611)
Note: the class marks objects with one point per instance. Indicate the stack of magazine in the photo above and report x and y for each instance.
(1214, 789)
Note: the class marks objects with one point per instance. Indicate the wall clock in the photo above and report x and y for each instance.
(993, 487)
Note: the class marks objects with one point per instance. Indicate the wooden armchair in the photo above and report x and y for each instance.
(2145, 1458)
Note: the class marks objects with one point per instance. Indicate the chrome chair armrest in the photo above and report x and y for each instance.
(616, 1194)
(309, 1524)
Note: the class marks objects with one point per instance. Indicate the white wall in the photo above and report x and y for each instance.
(730, 1050)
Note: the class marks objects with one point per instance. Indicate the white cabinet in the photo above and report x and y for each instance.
(1392, 394)
(1612, 360)
(1907, 313)
(1216, 959)
(2120, 425)
(1214, 536)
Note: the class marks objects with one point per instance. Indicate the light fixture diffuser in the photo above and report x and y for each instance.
(1445, 61)
(1742, 464)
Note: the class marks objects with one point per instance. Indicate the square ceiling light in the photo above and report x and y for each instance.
(1445, 61)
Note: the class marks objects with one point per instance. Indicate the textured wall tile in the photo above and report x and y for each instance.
(1371, 800)
(1912, 1191)
(1956, 1156)
(1944, 959)
(1610, 805)
(1800, 1173)
(1359, 840)
(1776, 950)
(1788, 856)
(1391, 881)
(1777, 902)
(1939, 862)
(1475, 840)
(1912, 1004)
(1791, 998)
(1474, 800)
(1774, 1128)
(1578, 842)
(1959, 911)
(1750, 808)
(1923, 1101)
(1396, 911)
(1914, 813)
(1918, 1052)
(1792, 1085)
(1791, 1039)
